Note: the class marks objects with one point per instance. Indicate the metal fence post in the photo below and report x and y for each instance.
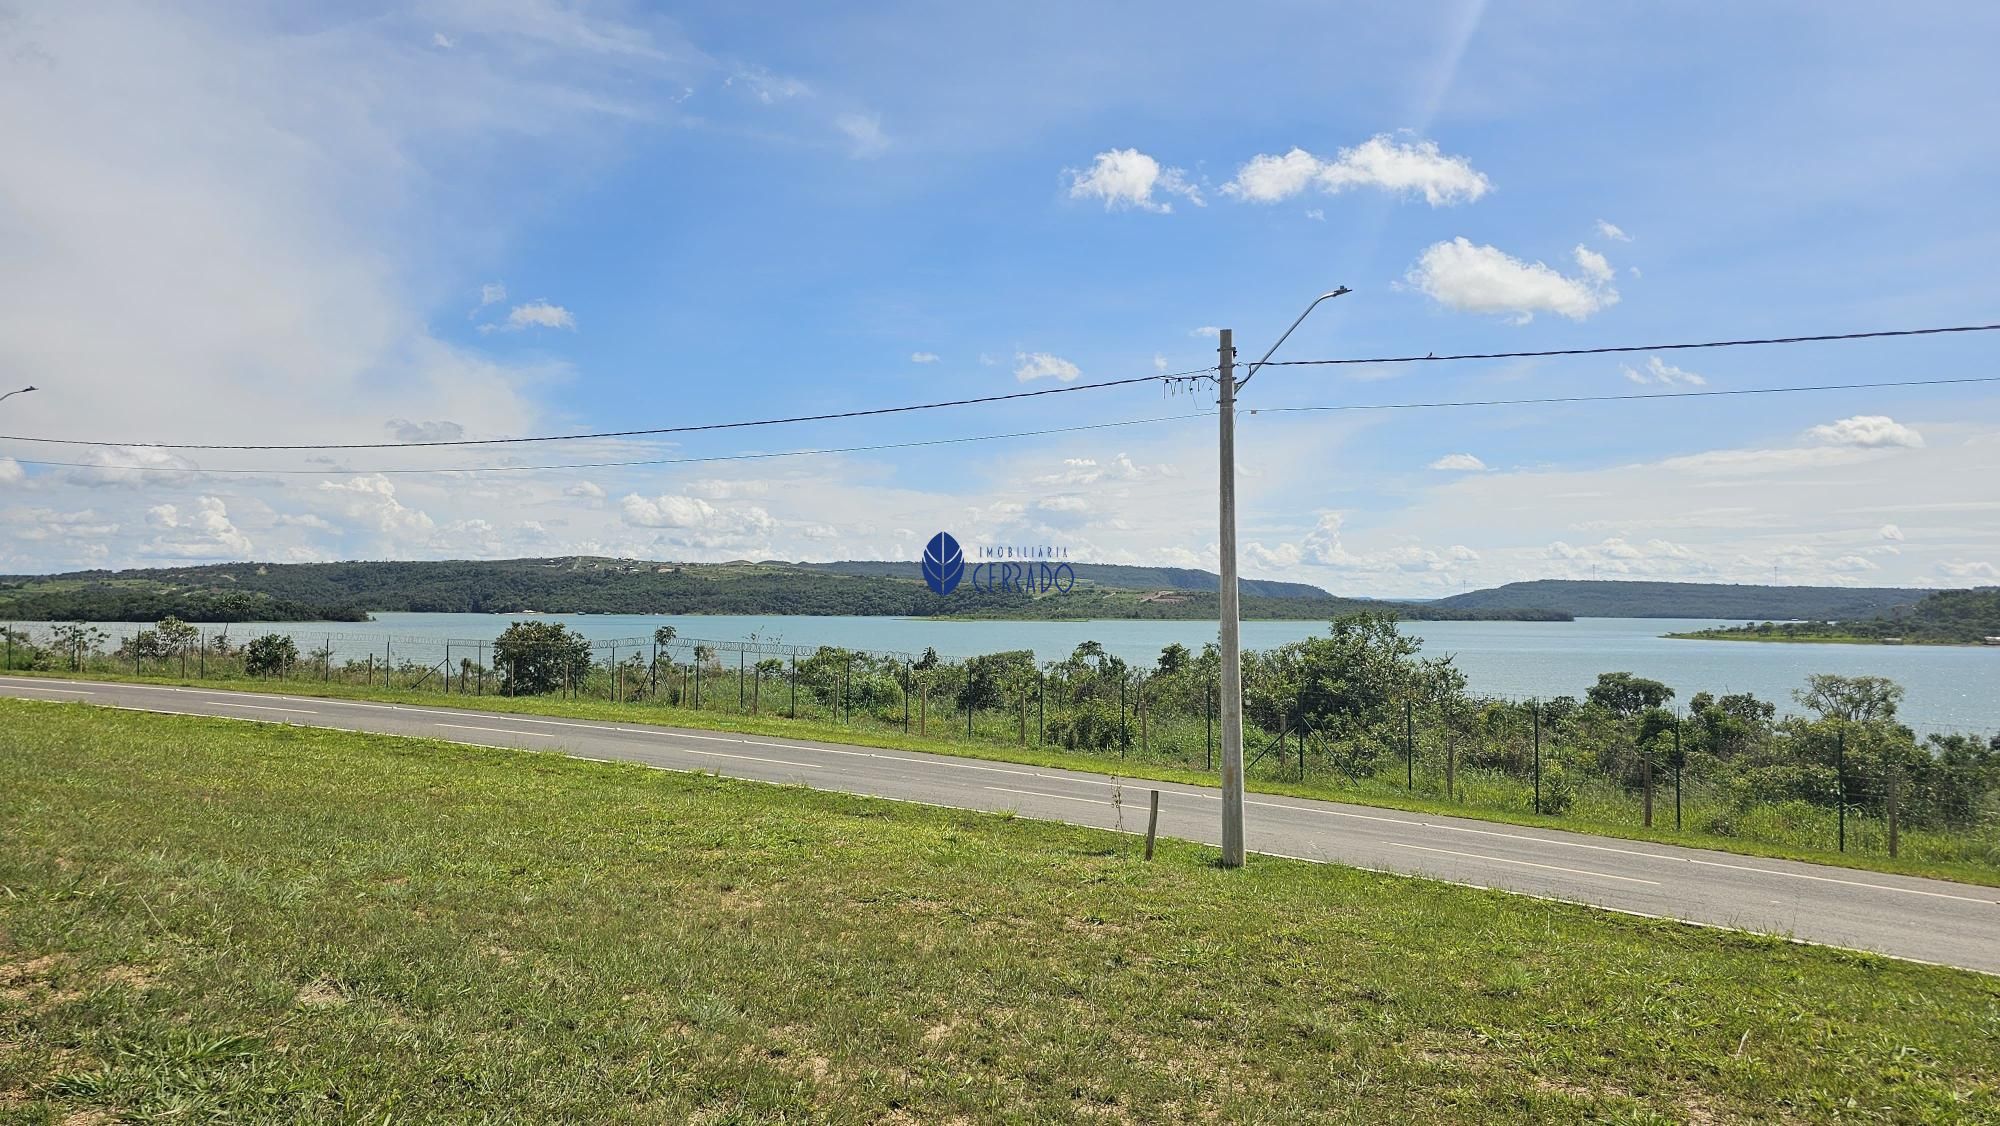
(1041, 694)
(795, 685)
(1840, 785)
(1535, 710)
(1894, 779)
(1677, 775)
(1409, 744)
(909, 682)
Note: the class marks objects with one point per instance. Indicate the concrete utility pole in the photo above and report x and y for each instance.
(1231, 644)
(1232, 654)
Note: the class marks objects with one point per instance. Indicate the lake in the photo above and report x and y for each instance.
(1949, 687)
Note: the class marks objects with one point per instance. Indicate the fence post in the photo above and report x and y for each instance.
(201, 664)
(1677, 774)
(1124, 727)
(1139, 706)
(1041, 693)
(1646, 784)
(1840, 785)
(795, 686)
(909, 682)
(386, 666)
(1409, 744)
(1152, 822)
(742, 655)
(1895, 784)
(1208, 722)
(846, 690)
(1535, 710)
(923, 709)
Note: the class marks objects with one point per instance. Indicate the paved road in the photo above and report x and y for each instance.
(1927, 920)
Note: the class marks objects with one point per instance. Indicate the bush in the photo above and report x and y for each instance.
(1558, 792)
(270, 655)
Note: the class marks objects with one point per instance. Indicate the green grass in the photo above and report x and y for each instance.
(202, 919)
(1794, 832)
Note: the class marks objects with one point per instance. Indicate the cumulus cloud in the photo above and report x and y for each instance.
(492, 293)
(539, 314)
(371, 502)
(924, 357)
(1415, 168)
(1485, 279)
(403, 430)
(11, 472)
(1209, 331)
(1868, 431)
(1041, 365)
(695, 522)
(588, 490)
(134, 466)
(1612, 231)
(1853, 565)
(1594, 265)
(863, 132)
(1661, 372)
(1891, 533)
(1464, 463)
(1129, 178)
(1975, 570)
(205, 533)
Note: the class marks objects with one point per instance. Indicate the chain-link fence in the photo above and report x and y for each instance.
(1876, 787)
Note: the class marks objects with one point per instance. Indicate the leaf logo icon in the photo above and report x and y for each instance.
(944, 564)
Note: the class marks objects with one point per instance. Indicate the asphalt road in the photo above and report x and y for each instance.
(1927, 920)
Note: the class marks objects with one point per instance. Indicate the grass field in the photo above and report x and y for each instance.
(1793, 831)
(202, 919)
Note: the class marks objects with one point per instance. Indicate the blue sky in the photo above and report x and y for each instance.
(239, 224)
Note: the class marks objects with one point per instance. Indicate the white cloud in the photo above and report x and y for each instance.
(492, 293)
(1594, 265)
(1159, 362)
(924, 357)
(588, 490)
(865, 133)
(1461, 462)
(437, 430)
(765, 86)
(371, 501)
(540, 314)
(11, 472)
(1041, 365)
(1416, 168)
(1868, 431)
(440, 40)
(1316, 214)
(1129, 178)
(1891, 533)
(1485, 279)
(1854, 565)
(134, 466)
(1209, 331)
(1659, 371)
(693, 522)
(1969, 570)
(205, 533)
(1612, 231)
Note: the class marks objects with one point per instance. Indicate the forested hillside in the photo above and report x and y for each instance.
(1589, 598)
(583, 585)
(1110, 575)
(1947, 617)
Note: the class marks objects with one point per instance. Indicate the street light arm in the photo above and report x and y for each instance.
(1288, 332)
(20, 391)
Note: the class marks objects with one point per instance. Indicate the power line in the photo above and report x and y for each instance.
(619, 464)
(640, 462)
(1637, 395)
(1433, 358)
(653, 432)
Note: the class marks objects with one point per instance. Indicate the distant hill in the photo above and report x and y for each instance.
(1591, 598)
(591, 585)
(1946, 617)
(1114, 576)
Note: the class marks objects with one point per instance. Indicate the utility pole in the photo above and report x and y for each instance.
(1231, 641)
(1232, 656)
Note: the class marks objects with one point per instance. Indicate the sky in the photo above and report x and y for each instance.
(250, 224)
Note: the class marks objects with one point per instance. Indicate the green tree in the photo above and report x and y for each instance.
(1626, 695)
(533, 658)
(1850, 699)
(273, 654)
(77, 640)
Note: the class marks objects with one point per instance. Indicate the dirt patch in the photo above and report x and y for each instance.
(320, 995)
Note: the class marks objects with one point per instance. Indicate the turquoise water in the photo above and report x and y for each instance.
(1953, 688)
